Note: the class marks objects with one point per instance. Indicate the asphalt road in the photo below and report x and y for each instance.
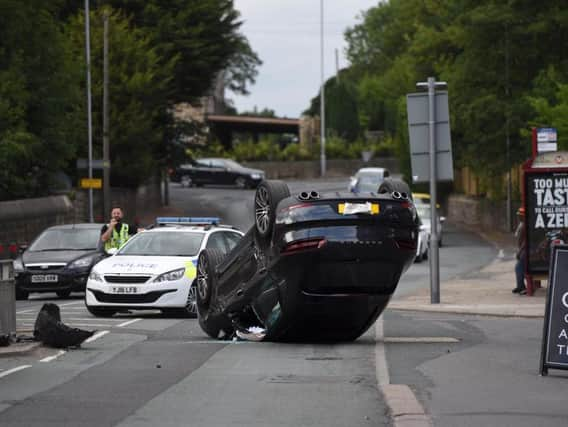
(144, 369)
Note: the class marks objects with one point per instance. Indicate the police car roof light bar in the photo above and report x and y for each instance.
(189, 220)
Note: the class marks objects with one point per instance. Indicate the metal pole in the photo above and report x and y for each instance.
(89, 118)
(434, 250)
(508, 142)
(106, 134)
(337, 64)
(322, 96)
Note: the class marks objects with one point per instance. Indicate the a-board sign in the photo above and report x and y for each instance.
(546, 196)
(554, 352)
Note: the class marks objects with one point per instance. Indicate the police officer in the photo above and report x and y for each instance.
(116, 232)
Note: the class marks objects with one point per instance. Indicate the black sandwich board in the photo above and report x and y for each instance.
(554, 353)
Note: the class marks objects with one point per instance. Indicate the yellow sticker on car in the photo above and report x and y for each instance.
(349, 208)
(190, 270)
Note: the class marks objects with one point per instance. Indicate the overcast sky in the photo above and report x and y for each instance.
(286, 36)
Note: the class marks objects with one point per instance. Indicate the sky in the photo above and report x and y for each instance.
(286, 36)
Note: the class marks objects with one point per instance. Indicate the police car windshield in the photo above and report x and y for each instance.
(164, 243)
(67, 239)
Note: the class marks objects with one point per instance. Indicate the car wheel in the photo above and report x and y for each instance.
(211, 322)
(63, 294)
(100, 312)
(268, 195)
(21, 295)
(185, 181)
(241, 182)
(392, 184)
(190, 309)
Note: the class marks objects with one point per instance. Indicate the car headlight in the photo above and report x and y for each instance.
(170, 276)
(81, 262)
(255, 176)
(93, 275)
(18, 265)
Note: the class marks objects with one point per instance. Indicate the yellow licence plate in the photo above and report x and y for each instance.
(348, 208)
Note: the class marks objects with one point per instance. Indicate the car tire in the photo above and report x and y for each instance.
(241, 182)
(392, 184)
(190, 309)
(21, 295)
(63, 294)
(268, 195)
(100, 312)
(211, 322)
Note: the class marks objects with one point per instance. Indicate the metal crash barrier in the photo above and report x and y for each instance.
(7, 299)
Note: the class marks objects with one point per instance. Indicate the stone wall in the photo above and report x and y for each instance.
(479, 212)
(312, 169)
(22, 220)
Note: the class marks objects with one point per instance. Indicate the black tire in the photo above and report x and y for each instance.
(63, 294)
(21, 295)
(392, 184)
(100, 312)
(211, 321)
(268, 195)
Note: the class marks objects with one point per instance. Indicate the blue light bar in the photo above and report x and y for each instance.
(191, 220)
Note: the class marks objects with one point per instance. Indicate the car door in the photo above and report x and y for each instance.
(222, 174)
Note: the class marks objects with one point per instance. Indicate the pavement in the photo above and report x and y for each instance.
(486, 292)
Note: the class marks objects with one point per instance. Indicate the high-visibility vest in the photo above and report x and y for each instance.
(117, 238)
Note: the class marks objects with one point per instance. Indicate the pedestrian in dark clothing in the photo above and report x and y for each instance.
(520, 288)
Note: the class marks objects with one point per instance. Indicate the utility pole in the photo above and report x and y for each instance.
(89, 115)
(434, 238)
(106, 134)
(322, 97)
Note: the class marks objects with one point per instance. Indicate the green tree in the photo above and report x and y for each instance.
(40, 108)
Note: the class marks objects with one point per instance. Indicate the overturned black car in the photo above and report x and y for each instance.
(313, 267)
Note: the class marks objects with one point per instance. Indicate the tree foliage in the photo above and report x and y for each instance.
(160, 53)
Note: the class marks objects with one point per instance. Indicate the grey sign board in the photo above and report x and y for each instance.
(95, 163)
(418, 131)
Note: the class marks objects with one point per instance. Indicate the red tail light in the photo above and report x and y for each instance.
(406, 244)
(13, 249)
(303, 245)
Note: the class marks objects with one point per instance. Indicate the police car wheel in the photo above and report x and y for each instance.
(190, 309)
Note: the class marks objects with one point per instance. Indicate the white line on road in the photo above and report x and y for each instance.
(26, 311)
(71, 303)
(55, 356)
(97, 336)
(16, 369)
(122, 325)
(428, 340)
(381, 367)
(74, 325)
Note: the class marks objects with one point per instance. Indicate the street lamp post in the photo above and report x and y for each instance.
(89, 118)
(322, 96)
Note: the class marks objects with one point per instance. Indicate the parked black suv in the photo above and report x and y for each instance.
(217, 171)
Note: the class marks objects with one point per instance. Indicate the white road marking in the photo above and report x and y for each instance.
(74, 325)
(381, 367)
(71, 303)
(26, 311)
(16, 369)
(404, 407)
(122, 325)
(97, 336)
(55, 356)
(420, 340)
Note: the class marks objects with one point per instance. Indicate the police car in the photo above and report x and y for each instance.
(156, 268)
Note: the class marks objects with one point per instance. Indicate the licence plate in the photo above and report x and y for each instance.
(124, 290)
(356, 208)
(44, 278)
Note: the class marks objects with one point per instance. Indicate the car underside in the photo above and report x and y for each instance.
(314, 267)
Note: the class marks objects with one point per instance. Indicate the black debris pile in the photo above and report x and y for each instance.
(51, 331)
(5, 340)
